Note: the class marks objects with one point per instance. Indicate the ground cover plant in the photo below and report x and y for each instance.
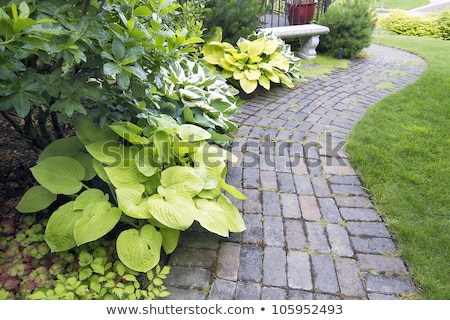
(401, 150)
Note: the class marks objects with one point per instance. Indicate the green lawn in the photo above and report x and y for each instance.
(400, 4)
(401, 148)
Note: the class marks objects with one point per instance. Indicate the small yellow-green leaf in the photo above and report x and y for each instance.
(270, 46)
(35, 199)
(170, 239)
(190, 132)
(252, 74)
(279, 61)
(139, 250)
(248, 85)
(131, 203)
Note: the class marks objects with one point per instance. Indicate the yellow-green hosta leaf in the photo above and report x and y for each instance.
(279, 61)
(255, 59)
(59, 175)
(248, 85)
(227, 65)
(190, 132)
(239, 56)
(96, 220)
(183, 179)
(62, 147)
(125, 174)
(59, 229)
(139, 250)
(145, 163)
(211, 217)
(243, 45)
(86, 161)
(219, 217)
(110, 152)
(176, 210)
(238, 74)
(270, 46)
(213, 52)
(264, 82)
(132, 204)
(100, 170)
(256, 47)
(252, 74)
(269, 72)
(35, 199)
(285, 80)
(234, 218)
(232, 190)
(89, 196)
(170, 239)
(211, 175)
(129, 131)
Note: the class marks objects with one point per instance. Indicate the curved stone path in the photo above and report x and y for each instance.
(312, 232)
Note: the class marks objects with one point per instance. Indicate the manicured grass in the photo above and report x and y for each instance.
(400, 4)
(401, 149)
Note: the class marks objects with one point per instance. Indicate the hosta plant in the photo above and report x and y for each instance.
(260, 60)
(149, 181)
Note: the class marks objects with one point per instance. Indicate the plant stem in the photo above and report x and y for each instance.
(128, 220)
(15, 125)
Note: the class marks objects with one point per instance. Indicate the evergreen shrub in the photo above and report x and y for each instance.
(351, 24)
(236, 18)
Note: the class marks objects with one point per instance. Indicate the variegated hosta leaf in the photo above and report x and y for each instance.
(175, 209)
(139, 250)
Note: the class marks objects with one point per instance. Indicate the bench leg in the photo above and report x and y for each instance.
(308, 47)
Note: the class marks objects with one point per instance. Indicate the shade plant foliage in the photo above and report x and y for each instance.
(149, 119)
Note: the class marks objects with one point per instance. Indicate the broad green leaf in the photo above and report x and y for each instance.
(243, 45)
(61, 147)
(100, 170)
(97, 219)
(190, 132)
(89, 196)
(213, 52)
(110, 68)
(252, 74)
(270, 46)
(248, 85)
(170, 239)
(144, 162)
(143, 11)
(238, 74)
(211, 175)
(59, 229)
(183, 179)
(111, 152)
(176, 210)
(279, 61)
(131, 203)
(232, 190)
(234, 218)
(21, 24)
(256, 47)
(88, 131)
(129, 132)
(86, 161)
(211, 217)
(264, 82)
(139, 250)
(35, 199)
(125, 174)
(59, 175)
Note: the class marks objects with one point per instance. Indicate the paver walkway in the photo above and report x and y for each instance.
(312, 232)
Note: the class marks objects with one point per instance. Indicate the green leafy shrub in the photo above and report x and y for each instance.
(29, 271)
(150, 181)
(236, 18)
(147, 114)
(351, 24)
(431, 26)
(260, 60)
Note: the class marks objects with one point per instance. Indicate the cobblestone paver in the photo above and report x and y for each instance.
(312, 232)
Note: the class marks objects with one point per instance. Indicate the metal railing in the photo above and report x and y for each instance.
(290, 12)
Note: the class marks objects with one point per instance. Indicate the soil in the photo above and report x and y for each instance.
(17, 156)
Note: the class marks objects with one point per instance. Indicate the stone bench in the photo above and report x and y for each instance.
(307, 33)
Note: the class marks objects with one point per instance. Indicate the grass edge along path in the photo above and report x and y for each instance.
(401, 149)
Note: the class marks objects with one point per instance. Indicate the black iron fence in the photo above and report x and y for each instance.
(292, 12)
